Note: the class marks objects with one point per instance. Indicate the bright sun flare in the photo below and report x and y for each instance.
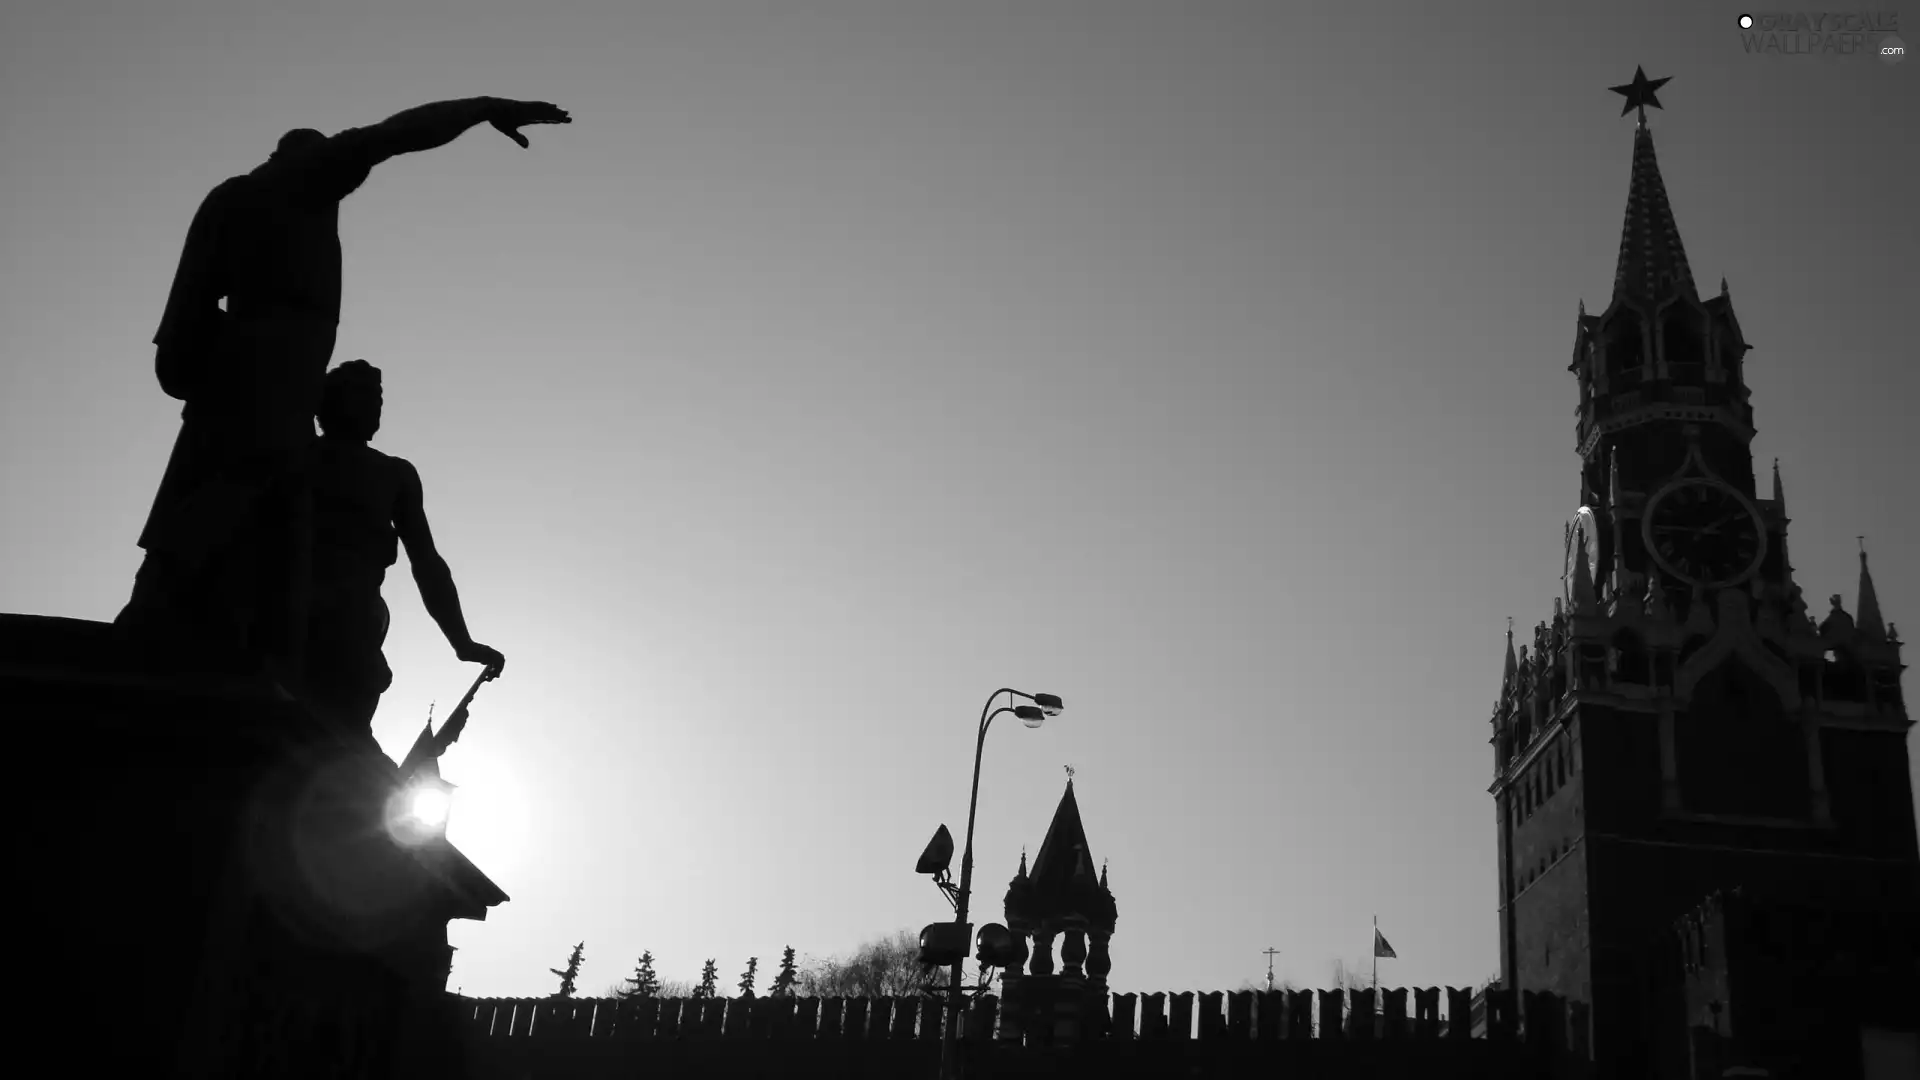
(428, 806)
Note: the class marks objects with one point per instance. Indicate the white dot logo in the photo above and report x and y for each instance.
(1746, 22)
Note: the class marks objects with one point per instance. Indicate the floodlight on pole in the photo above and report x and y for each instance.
(1032, 715)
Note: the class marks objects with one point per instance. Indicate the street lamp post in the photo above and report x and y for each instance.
(1044, 705)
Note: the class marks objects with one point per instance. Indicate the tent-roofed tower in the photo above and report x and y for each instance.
(1061, 897)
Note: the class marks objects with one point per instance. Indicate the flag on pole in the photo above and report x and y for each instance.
(1380, 946)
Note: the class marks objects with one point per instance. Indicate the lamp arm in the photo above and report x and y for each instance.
(955, 992)
(973, 804)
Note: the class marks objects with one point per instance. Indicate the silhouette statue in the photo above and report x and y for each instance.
(365, 505)
(245, 340)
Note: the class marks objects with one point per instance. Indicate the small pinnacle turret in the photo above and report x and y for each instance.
(1868, 622)
(1584, 597)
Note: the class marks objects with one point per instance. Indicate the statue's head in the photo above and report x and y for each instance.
(350, 401)
(295, 141)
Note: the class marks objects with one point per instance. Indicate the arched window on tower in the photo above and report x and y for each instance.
(1681, 342)
(1737, 749)
(1842, 678)
(1631, 663)
(1626, 351)
(1886, 689)
(1593, 663)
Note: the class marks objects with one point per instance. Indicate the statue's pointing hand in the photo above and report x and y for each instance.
(510, 116)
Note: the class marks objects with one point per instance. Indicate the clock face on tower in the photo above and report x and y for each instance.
(1583, 546)
(1704, 533)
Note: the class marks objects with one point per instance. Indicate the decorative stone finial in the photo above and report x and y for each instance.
(1656, 599)
(1869, 623)
(1584, 597)
(1838, 626)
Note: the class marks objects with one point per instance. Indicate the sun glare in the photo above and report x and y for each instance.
(490, 825)
(428, 807)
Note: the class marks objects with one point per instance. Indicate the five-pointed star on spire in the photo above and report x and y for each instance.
(1640, 92)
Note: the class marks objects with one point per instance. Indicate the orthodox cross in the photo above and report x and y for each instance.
(1640, 93)
(1271, 953)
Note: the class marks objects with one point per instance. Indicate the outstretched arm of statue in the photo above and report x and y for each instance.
(429, 126)
(432, 574)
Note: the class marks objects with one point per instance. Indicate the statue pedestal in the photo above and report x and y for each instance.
(211, 888)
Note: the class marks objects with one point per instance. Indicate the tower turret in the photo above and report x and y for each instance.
(1063, 897)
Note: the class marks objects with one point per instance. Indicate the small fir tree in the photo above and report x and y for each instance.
(644, 983)
(784, 979)
(572, 971)
(746, 980)
(709, 981)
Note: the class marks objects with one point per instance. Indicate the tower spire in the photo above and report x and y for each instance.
(1653, 265)
(1779, 493)
(1868, 622)
(1508, 674)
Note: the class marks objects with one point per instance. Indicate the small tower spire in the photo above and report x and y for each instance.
(1779, 494)
(1512, 669)
(1868, 622)
(1583, 594)
(1656, 605)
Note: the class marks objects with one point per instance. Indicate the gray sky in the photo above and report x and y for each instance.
(1204, 363)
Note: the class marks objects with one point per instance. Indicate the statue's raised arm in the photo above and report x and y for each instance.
(436, 125)
(345, 159)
